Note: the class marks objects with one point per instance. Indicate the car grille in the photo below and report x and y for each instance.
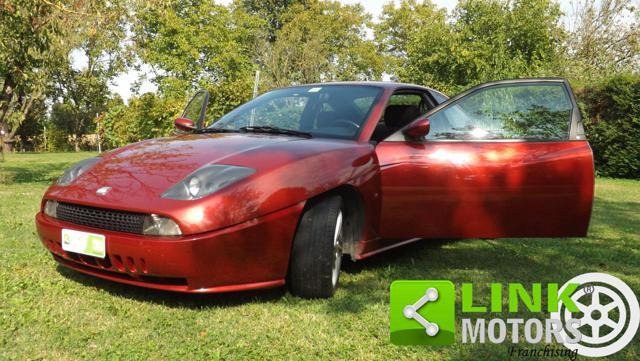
(111, 220)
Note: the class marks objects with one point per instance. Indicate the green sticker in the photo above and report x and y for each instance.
(95, 246)
(422, 313)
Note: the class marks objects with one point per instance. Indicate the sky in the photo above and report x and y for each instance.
(122, 84)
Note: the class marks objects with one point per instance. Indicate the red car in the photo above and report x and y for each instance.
(278, 190)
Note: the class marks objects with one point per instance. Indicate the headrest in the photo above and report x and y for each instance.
(396, 116)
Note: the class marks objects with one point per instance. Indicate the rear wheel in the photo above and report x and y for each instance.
(316, 255)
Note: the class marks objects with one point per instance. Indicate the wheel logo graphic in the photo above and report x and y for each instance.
(609, 314)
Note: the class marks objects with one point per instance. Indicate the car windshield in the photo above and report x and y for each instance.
(331, 111)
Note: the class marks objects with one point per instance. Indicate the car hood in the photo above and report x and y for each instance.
(147, 169)
(288, 170)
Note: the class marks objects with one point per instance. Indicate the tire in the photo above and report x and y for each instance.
(316, 254)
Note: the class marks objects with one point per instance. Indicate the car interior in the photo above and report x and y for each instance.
(402, 109)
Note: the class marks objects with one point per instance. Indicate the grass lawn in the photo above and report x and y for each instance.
(48, 312)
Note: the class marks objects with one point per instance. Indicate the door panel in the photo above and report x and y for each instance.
(504, 159)
(485, 189)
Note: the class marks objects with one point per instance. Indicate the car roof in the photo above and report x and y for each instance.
(381, 84)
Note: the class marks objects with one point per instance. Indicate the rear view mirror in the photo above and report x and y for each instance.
(418, 129)
(184, 125)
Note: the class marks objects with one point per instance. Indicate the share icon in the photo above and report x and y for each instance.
(411, 311)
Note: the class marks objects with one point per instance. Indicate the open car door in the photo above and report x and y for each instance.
(504, 159)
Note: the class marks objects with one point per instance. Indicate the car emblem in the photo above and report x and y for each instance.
(103, 191)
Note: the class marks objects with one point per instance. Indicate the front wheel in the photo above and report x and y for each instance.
(316, 254)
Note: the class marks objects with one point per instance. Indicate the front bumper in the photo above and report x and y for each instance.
(251, 255)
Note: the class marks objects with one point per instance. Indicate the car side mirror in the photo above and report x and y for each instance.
(184, 125)
(418, 129)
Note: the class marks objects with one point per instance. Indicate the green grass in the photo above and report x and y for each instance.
(47, 312)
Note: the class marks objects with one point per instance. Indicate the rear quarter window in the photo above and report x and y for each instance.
(439, 97)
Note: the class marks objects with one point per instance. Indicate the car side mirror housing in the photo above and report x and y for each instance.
(418, 129)
(184, 125)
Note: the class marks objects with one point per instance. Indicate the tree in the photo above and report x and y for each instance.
(321, 41)
(83, 97)
(31, 131)
(508, 39)
(272, 11)
(398, 35)
(189, 51)
(604, 39)
(611, 111)
(37, 39)
(82, 92)
(146, 116)
(483, 40)
(28, 29)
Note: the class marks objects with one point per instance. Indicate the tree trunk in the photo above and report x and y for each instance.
(9, 137)
(6, 98)
(7, 145)
(3, 129)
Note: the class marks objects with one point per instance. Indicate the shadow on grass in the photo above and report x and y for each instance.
(173, 299)
(353, 297)
(42, 173)
(616, 213)
(367, 282)
(425, 259)
(198, 301)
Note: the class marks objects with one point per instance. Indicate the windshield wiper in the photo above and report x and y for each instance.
(216, 130)
(275, 130)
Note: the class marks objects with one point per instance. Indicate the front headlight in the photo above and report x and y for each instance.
(155, 225)
(207, 180)
(51, 208)
(76, 170)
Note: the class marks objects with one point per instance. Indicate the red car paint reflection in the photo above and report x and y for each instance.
(397, 189)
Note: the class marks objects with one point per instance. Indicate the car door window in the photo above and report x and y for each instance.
(515, 111)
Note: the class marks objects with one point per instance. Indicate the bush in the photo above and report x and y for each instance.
(58, 140)
(147, 116)
(152, 116)
(611, 112)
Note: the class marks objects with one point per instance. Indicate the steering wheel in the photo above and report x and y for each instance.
(348, 123)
